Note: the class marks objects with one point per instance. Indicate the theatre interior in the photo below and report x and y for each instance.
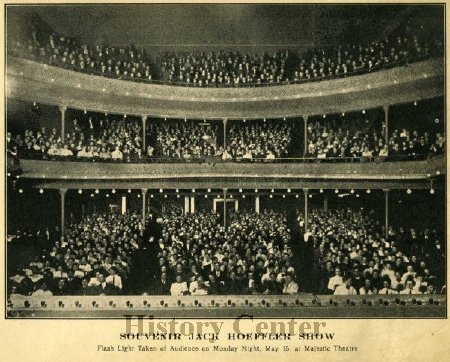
(220, 160)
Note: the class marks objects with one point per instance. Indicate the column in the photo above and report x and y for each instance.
(62, 192)
(305, 131)
(192, 204)
(325, 202)
(225, 133)
(257, 204)
(144, 145)
(144, 206)
(186, 204)
(386, 123)
(305, 194)
(63, 109)
(225, 208)
(386, 212)
(124, 205)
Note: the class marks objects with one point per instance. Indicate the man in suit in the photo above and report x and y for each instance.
(104, 288)
(162, 285)
(218, 273)
(233, 286)
(271, 286)
(145, 259)
(85, 289)
(60, 288)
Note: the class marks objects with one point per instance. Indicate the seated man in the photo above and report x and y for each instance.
(233, 286)
(271, 286)
(335, 280)
(43, 291)
(85, 288)
(290, 286)
(104, 288)
(387, 287)
(345, 288)
(409, 289)
(117, 155)
(114, 279)
(179, 287)
(368, 288)
(163, 285)
(198, 286)
(214, 286)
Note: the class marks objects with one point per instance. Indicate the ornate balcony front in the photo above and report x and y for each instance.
(37, 82)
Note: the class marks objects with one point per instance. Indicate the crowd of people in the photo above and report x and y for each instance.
(100, 140)
(407, 45)
(198, 256)
(128, 63)
(185, 141)
(93, 257)
(194, 254)
(259, 141)
(365, 141)
(224, 68)
(353, 256)
(405, 142)
(121, 140)
(228, 69)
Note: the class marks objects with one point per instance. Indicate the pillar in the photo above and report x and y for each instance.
(144, 205)
(186, 204)
(305, 194)
(224, 133)
(386, 212)
(225, 208)
(257, 204)
(124, 205)
(325, 202)
(144, 143)
(63, 109)
(386, 123)
(305, 131)
(62, 192)
(192, 204)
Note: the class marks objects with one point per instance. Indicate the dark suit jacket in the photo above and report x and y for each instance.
(86, 291)
(233, 287)
(109, 289)
(272, 286)
(160, 288)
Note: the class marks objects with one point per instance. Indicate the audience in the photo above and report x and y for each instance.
(185, 141)
(228, 69)
(414, 144)
(197, 256)
(356, 258)
(268, 140)
(126, 63)
(93, 257)
(250, 257)
(120, 140)
(224, 68)
(350, 59)
(103, 140)
(364, 140)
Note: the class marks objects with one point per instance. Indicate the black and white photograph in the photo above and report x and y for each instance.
(210, 161)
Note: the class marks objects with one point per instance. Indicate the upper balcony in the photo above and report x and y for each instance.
(36, 82)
